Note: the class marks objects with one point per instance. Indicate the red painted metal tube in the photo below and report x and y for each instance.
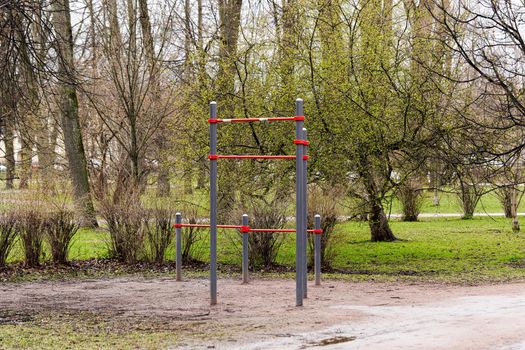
(207, 225)
(249, 157)
(246, 228)
(251, 120)
(263, 230)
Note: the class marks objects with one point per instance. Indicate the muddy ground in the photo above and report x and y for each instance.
(261, 315)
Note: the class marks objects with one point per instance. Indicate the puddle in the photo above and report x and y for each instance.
(332, 341)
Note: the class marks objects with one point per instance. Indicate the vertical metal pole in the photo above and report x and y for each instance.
(178, 244)
(305, 217)
(317, 256)
(213, 205)
(245, 250)
(299, 229)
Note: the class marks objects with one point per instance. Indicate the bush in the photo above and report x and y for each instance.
(263, 247)
(7, 235)
(61, 227)
(31, 227)
(191, 237)
(127, 225)
(159, 233)
(323, 201)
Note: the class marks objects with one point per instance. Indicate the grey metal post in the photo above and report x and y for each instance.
(178, 245)
(245, 250)
(299, 211)
(317, 256)
(213, 205)
(305, 217)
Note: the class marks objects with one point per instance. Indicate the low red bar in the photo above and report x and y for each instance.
(190, 225)
(207, 225)
(315, 231)
(250, 157)
(245, 229)
(230, 226)
(263, 230)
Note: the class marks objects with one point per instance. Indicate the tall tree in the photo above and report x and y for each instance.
(230, 19)
(72, 133)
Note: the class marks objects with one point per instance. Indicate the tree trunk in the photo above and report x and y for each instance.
(229, 15)
(514, 210)
(73, 143)
(469, 198)
(25, 161)
(377, 220)
(163, 173)
(9, 151)
(505, 197)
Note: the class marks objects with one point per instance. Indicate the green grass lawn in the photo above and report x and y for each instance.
(49, 330)
(450, 204)
(444, 249)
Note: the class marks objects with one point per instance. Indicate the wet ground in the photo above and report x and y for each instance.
(262, 315)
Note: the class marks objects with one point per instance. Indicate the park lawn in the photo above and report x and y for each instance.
(450, 204)
(84, 331)
(439, 249)
(445, 250)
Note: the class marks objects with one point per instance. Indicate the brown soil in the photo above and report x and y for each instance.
(262, 315)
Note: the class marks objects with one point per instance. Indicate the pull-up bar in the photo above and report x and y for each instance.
(251, 120)
(213, 157)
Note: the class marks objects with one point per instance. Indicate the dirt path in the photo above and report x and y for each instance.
(261, 315)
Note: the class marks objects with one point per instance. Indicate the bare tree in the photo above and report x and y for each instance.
(73, 142)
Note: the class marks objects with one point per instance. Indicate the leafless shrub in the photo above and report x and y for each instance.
(159, 233)
(191, 237)
(126, 221)
(31, 226)
(324, 201)
(60, 229)
(7, 235)
(263, 247)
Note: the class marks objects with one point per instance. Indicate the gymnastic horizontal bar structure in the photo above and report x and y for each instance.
(301, 200)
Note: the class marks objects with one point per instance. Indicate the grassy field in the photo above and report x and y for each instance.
(444, 249)
(84, 331)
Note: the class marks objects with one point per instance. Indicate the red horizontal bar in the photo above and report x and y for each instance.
(315, 231)
(207, 225)
(211, 157)
(251, 120)
(263, 230)
(245, 229)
